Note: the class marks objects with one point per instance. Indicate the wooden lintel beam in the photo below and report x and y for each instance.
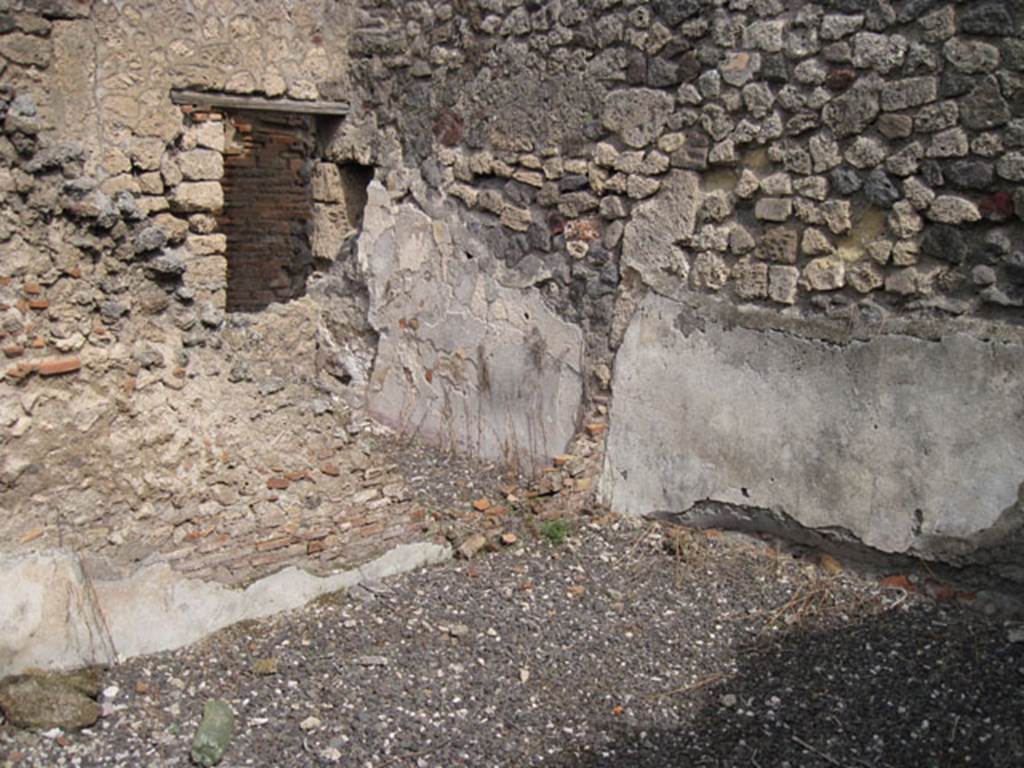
(258, 103)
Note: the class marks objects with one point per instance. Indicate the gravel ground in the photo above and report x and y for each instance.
(626, 645)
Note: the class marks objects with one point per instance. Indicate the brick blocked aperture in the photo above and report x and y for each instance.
(267, 208)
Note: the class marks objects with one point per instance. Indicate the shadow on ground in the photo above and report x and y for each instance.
(904, 689)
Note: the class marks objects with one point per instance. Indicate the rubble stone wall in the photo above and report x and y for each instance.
(842, 156)
(841, 172)
(534, 213)
(129, 398)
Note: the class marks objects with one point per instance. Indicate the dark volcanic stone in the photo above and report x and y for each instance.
(1015, 268)
(932, 173)
(955, 83)
(851, 113)
(879, 16)
(880, 189)
(519, 193)
(969, 174)
(945, 243)
(990, 18)
(911, 9)
(845, 181)
(539, 237)
(848, 6)
(996, 207)
(572, 183)
(774, 68)
(674, 12)
(636, 67)
(662, 73)
(689, 67)
(840, 78)
(984, 107)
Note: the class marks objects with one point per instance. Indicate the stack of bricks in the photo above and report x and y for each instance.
(267, 210)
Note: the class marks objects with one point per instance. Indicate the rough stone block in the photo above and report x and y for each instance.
(197, 197)
(637, 115)
(826, 273)
(330, 230)
(883, 53)
(27, 50)
(750, 279)
(783, 284)
(779, 244)
(208, 134)
(773, 208)
(201, 165)
(326, 184)
(909, 92)
(206, 245)
(208, 273)
(971, 57)
(949, 209)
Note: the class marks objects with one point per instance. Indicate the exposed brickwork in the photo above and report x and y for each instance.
(267, 208)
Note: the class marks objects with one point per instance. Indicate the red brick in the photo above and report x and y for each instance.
(277, 483)
(20, 371)
(331, 470)
(38, 304)
(370, 530)
(32, 289)
(898, 581)
(14, 350)
(271, 544)
(58, 366)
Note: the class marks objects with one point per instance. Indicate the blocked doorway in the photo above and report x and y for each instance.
(277, 229)
(267, 207)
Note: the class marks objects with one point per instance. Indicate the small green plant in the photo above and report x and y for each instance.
(555, 531)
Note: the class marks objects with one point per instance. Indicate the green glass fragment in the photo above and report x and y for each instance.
(214, 733)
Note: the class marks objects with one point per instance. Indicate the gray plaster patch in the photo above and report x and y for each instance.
(912, 446)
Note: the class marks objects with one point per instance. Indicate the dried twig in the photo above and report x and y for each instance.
(704, 682)
(816, 751)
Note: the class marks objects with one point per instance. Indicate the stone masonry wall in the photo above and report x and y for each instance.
(129, 398)
(844, 172)
(840, 157)
(535, 212)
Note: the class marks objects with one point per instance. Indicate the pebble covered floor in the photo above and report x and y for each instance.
(625, 644)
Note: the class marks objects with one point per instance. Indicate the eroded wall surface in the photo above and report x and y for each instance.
(142, 422)
(780, 224)
(727, 226)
